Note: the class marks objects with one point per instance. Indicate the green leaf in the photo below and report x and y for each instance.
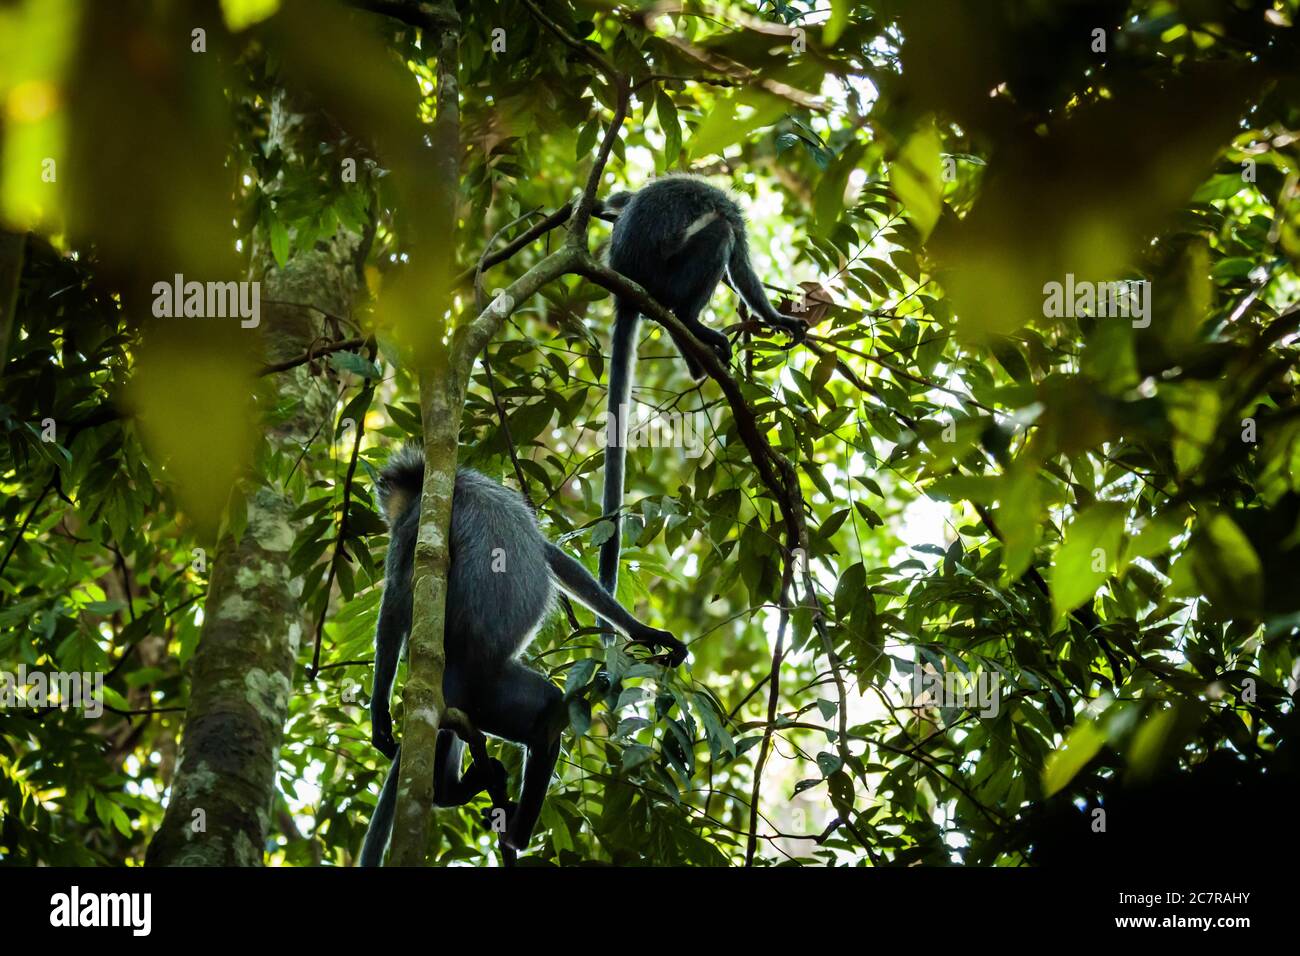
(241, 14)
(580, 675)
(1226, 566)
(1149, 744)
(1194, 413)
(828, 200)
(1154, 538)
(1019, 518)
(722, 126)
(839, 18)
(666, 110)
(1080, 746)
(915, 175)
(635, 755)
(528, 422)
(357, 364)
(279, 242)
(1086, 557)
(587, 139)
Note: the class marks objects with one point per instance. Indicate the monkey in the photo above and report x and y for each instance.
(676, 238)
(500, 588)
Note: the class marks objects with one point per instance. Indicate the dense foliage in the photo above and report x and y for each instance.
(1099, 513)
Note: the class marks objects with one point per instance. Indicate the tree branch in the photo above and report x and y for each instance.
(340, 538)
(313, 353)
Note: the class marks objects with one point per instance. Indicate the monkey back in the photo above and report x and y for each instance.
(499, 586)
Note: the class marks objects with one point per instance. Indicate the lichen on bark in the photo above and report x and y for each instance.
(241, 675)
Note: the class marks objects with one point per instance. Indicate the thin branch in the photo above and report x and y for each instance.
(509, 250)
(429, 18)
(22, 530)
(582, 215)
(540, 229)
(469, 340)
(773, 696)
(325, 667)
(622, 93)
(359, 428)
(314, 352)
(726, 66)
(586, 51)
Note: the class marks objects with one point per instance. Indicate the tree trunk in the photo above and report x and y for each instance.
(442, 402)
(242, 673)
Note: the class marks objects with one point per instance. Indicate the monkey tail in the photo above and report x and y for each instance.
(621, 365)
(401, 480)
(381, 824)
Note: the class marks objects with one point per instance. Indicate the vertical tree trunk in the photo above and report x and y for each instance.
(442, 401)
(422, 694)
(242, 672)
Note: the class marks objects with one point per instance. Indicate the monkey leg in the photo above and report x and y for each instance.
(695, 273)
(521, 705)
(450, 787)
(693, 367)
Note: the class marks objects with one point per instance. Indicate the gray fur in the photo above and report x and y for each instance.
(676, 237)
(657, 224)
(500, 588)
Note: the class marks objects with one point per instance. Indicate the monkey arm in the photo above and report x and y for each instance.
(575, 580)
(390, 636)
(740, 272)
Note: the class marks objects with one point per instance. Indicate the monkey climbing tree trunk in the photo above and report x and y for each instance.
(422, 696)
(242, 672)
(445, 368)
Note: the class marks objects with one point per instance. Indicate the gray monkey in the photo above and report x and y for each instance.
(676, 238)
(500, 588)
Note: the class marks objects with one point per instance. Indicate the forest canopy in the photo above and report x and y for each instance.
(997, 566)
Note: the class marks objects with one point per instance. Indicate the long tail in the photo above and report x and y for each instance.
(381, 824)
(621, 367)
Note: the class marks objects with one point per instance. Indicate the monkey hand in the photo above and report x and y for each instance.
(718, 342)
(381, 732)
(797, 329)
(494, 820)
(676, 649)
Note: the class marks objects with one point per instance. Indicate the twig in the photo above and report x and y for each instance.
(28, 520)
(314, 669)
(774, 694)
(488, 260)
(314, 353)
(584, 50)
